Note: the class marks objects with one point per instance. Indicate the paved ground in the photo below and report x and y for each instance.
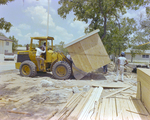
(8, 66)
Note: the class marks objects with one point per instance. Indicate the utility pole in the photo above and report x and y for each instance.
(48, 19)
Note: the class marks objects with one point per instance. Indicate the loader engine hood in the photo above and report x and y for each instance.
(22, 56)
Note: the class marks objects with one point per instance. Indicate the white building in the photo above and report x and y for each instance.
(5, 45)
(144, 57)
(20, 49)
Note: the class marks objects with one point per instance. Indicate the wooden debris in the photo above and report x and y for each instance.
(16, 112)
(52, 114)
(70, 105)
(117, 92)
(137, 112)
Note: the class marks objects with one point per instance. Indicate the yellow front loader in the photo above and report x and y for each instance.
(56, 62)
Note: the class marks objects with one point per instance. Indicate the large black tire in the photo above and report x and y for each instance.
(61, 70)
(28, 69)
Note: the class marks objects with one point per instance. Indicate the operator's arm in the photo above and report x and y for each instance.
(41, 51)
(118, 64)
(126, 62)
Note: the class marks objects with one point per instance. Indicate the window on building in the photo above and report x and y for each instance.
(145, 56)
(6, 51)
(7, 43)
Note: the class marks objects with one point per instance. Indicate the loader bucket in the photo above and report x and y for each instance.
(78, 74)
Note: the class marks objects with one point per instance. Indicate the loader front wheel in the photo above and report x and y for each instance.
(27, 69)
(61, 70)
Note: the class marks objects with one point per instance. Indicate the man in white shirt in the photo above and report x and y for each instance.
(122, 61)
(39, 51)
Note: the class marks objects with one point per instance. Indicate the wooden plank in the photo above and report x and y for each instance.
(117, 92)
(95, 51)
(52, 114)
(119, 110)
(88, 53)
(134, 108)
(144, 111)
(72, 101)
(121, 113)
(126, 115)
(77, 111)
(102, 110)
(79, 57)
(111, 86)
(81, 38)
(130, 107)
(106, 109)
(94, 116)
(139, 109)
(94, 106)
(143, 77)
(98, 111)
(88, 105)
(110, 110)
(114, 108)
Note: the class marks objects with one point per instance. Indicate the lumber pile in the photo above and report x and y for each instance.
(81, 106)
(118, 105)
(143, 86)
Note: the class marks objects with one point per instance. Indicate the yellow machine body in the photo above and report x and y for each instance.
(51, 56)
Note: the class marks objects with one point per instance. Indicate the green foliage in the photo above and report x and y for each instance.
(105, 15)
(117, 38)
(98, 12)
(1, 34)
(19, 45)
(60, 48)
(140, 37)
(4, 2)
(14, 44)
(5, 25)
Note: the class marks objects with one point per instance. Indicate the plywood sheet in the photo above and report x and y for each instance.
(143, 91)
(88, 52)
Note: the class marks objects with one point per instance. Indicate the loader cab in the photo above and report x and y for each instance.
(37, 42)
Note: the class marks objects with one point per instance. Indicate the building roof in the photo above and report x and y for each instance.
(5, 38)
(129, 51)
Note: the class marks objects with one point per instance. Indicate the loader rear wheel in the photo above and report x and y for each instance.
(61, 70)
(27, 69)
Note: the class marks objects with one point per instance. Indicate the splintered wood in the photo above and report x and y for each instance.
(89, 106)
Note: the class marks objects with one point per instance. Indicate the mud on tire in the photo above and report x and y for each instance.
(28, 69)
(61, 70)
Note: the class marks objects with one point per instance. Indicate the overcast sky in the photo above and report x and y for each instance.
(29, 19)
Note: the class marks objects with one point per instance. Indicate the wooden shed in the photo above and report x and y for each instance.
(88, 52)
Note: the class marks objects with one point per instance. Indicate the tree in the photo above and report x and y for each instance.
(98, 12)
(4, 25)
(4, 2)
(1, 34)
(19, 45)
(117, 37)
(14, 44)
(141, 36)
(60, 48)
